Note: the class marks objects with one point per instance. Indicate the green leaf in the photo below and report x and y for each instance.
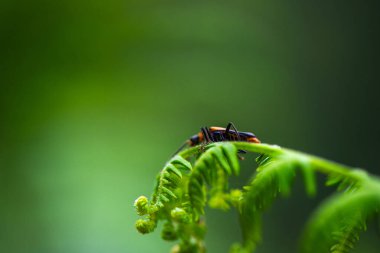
(172, 168)
(336, 225)
(230, 152)
(179, 160)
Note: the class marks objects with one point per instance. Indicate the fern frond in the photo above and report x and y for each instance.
(351, 181)
(274, 177)
(197, 194)
(337, 224)
(218, 161)
(182, 191)
(168, 181)
(222, 154)
(218, 191)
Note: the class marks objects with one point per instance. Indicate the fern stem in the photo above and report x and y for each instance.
(319, 164)
(190, 151)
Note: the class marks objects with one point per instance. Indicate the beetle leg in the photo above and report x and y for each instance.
(207, 137)
(206, 134)
(212, 138)
(229, 126)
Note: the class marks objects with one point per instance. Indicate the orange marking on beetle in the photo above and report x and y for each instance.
(253, 139)
(200, 136)
(217, 128)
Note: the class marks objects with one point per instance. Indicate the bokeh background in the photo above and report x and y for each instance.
(96, 95)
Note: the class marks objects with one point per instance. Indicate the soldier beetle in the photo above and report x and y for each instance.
(218, 134)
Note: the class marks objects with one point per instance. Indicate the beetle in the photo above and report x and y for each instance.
(218, 134)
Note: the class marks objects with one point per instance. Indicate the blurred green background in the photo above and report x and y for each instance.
(96, 95)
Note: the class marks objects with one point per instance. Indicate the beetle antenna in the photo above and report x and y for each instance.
(187, 143)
